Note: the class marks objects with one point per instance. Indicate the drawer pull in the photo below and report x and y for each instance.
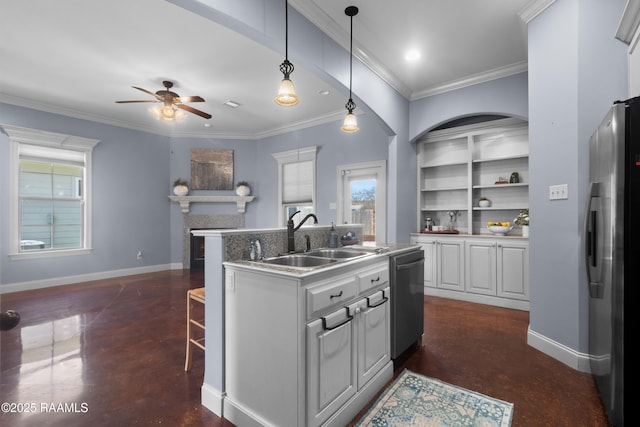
(377, 279)
(348, 319)
(336, 295)
(382, 301)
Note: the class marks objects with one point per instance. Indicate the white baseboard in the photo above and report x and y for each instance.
(212, 399)
(478, 298)
(566, 355)
(68, 280)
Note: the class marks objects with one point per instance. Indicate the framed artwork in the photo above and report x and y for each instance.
(211, 169)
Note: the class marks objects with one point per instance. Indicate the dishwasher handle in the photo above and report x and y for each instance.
(410, 264)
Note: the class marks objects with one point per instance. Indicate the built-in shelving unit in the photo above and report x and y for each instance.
(458, 166)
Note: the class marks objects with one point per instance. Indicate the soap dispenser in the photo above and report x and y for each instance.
(333, 237)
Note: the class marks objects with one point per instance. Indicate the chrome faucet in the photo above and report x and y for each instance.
(291, 242)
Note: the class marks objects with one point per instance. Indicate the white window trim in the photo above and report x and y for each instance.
(295, 156)
(18, 136)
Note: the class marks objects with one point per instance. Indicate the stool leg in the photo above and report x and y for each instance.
(187, 362)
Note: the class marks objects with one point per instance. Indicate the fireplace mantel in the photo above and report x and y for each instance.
(185, 201)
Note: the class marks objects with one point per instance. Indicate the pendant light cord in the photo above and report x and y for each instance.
(286, 30)
(351, 59)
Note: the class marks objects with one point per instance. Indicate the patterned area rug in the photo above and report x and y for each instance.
(415, 400)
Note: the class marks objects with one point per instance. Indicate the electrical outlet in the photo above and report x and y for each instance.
(558, 192)
(139, 255)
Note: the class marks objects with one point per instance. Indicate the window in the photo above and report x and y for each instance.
(362, 198)
(296, 182)
(50, 193)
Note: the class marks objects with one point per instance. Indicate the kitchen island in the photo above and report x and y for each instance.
(305, 346)
(291, 346)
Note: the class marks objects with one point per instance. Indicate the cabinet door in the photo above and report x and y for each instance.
(428, 246)
(450, 271)
(331, 364)
(480, 271)
(513, 270)
(373, 335)
(429, 250)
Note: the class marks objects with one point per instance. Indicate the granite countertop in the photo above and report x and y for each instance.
(378, 251)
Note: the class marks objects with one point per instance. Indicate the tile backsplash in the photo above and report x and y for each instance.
(238, 245)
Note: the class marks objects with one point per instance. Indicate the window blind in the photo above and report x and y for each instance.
(297, 182)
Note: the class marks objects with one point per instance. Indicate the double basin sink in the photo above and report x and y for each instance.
(317, 257)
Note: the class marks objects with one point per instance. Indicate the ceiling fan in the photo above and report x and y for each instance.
(170, 99)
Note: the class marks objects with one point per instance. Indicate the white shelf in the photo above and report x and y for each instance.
(500, 208)
(445, 189)
(520, 184)
(444, 209)
(439, 165)
(185, 201)
(500, 159)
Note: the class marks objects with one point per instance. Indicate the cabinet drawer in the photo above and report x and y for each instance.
(374, 278)
(321, 297)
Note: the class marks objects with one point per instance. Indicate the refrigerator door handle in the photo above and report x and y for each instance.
(591, 230)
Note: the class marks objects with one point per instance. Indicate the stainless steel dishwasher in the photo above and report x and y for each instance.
(406, 271)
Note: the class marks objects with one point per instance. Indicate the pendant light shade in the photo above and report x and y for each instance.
(350, 124)
(286, 93)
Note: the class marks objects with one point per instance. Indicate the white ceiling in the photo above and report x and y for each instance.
(77, 57)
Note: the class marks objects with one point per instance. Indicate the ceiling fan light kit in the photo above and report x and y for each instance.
(286, 93)
(350, 124)
(167, 114)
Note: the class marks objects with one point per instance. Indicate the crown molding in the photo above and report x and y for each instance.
(533, 9)
(497, 73)
(172, 133)
(629, 22)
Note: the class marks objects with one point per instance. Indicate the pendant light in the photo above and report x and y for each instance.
(286, 93)
(350, 124)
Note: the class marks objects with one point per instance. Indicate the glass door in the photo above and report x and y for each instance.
(362, 196)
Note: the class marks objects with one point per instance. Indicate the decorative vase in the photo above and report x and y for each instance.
(180, 190)
(525, 231)
(243, 190)
(484, 203)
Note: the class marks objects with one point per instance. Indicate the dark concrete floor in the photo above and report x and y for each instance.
(111, 353)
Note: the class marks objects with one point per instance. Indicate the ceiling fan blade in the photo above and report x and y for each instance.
(194, 111)
(185, 99)
(147, 91)
(147, 100)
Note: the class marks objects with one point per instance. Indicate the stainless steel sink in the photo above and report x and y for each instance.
(336, 253)
(299, 260)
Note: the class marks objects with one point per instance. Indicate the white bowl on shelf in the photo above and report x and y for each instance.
(500, 230)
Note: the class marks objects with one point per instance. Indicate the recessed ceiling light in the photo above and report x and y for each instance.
(232, 104)
(323, 92)
(412, 55)
(207, 125)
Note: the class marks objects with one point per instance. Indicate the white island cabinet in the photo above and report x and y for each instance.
(305, 349)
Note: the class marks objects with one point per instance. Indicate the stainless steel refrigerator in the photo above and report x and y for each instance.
(612, 249)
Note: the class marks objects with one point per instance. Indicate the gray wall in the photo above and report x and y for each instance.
(130, 204)
(577, 69)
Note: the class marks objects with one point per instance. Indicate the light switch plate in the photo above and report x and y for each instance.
(230, 281)
(558, 192)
